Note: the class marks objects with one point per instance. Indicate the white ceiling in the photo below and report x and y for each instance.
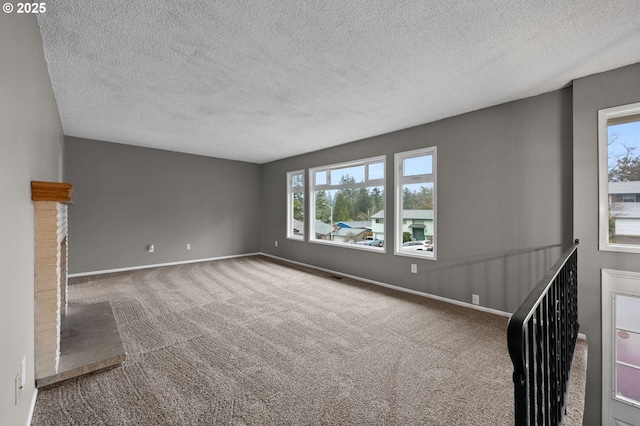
(262, 80)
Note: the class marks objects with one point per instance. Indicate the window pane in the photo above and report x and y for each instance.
(627, 323)
(417, 219)
(297, 224)
(376, 171)
(353, 174)
(321, 178)
(628, 347)
(628, 383)
(624, 180)
(417, 165)
(298, 181)
(295, 205)
(628, 313)
(350, 216)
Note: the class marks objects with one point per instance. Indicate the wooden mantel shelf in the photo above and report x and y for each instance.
(51, 191)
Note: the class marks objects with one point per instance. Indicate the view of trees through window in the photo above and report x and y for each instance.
(349, 202)
(623, 147)
(298, 198)
(295, 205)
(415, 203)
(420, 198)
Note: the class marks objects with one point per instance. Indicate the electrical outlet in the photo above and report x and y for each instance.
(276, 243)
(414, 268)
(475, 299)
(188, 246)
(151, 248)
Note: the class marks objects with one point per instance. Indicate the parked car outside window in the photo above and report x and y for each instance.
(422, 245)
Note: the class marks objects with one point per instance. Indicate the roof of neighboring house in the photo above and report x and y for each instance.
(323, 228)
(343, 232)
(355, 224)
(409, 214)
(632, 187)
(626, 211)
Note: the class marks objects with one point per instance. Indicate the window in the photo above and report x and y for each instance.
(619, 178)
(347, 204)
(415, 203)
(295, 205)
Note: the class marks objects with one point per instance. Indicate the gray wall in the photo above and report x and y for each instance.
(30, 149)
(613, 88)
(128, 197)
(504, 202)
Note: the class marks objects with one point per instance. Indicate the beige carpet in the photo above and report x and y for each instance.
(250, 341)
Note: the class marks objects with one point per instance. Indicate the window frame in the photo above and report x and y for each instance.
(327, 186)
(604, 115)
(291, 191)
(400, 181)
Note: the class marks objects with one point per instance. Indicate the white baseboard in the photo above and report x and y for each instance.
(33, 406)
(395, 287)
(378, 283)
(157, 265)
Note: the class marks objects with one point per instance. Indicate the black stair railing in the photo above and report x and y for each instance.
(541, 337)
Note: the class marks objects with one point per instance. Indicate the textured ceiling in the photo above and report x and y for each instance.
(263, 80)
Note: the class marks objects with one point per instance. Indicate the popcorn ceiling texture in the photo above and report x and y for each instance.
(262, 80)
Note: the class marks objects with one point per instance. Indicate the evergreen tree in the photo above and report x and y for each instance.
(377, 200)
(425, 198)
(363, 205)
(343, 207)
(298, 206)
(323, 211)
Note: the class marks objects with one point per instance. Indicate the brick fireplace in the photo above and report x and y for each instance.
(50, 297)
(70, 341)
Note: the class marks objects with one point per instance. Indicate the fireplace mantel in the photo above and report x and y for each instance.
(51, 191)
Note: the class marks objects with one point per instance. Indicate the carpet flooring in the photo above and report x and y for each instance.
(252, 341)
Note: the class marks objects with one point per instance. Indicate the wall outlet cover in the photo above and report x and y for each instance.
(475, 299)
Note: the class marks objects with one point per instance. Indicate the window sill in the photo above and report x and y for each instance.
(428, 256)
(350, 246)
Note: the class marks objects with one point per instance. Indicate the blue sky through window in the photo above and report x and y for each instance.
(621, 136)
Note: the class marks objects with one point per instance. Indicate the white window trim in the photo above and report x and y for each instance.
(313, 187)
(603, 176)
(289, 208)
(400, 180)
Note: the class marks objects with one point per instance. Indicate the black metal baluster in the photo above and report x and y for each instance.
(545, 339)
(538, 365)
(531, 379)
(542, 337)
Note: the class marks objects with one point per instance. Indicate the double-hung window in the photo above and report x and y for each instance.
(415, 203)
(295, 205)
(347, 204)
